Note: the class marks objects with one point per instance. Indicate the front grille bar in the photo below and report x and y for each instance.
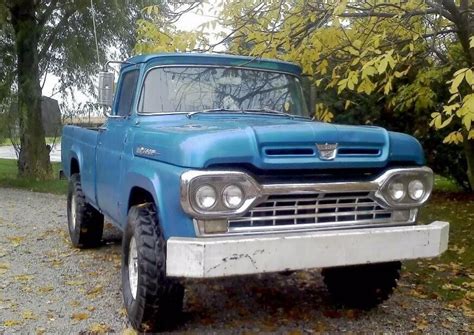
(316, 210)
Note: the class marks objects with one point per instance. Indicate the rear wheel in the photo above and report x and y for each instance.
(153, 301)
(85, 223)
(362, 286)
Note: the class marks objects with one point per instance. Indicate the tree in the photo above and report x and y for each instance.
(403, 51)
(157, 33)
(43, 37)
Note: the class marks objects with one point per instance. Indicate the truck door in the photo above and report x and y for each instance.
(110, 147)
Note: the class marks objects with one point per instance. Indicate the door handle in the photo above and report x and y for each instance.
(102, 129)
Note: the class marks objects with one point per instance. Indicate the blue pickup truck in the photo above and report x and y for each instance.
(212, 166)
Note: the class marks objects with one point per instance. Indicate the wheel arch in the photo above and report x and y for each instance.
(74, 163)
(138, 189)
(139, 195)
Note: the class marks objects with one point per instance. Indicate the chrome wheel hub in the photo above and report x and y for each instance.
(133, 267)
(73, 212)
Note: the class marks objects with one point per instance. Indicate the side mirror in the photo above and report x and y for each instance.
(106, 88)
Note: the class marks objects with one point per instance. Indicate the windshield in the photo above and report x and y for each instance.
(191, 89)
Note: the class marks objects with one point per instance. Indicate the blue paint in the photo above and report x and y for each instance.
(110, 166)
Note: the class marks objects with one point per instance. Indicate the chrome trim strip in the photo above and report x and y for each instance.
(311, 227)
(309, 216)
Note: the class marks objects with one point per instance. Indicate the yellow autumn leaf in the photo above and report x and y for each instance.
(469, 77)
(99, 328)
(382, 66)
(11, 323)
(29, 315)
(23, 278)
(80, 316)
(457, 79)
(4, 267)
(75, 282)
(45, 289)
(470, 136)
(95, 291)
(16, 240)
(347, 104)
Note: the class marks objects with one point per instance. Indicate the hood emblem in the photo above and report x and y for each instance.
(327, 151)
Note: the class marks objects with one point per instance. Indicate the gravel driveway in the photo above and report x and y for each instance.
(46, 286)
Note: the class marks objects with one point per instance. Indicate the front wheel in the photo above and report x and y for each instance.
(362, 286)
(152, 300)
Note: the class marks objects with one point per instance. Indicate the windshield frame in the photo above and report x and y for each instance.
(240, 67)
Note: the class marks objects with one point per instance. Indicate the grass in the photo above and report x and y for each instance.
(9, 178)
(451, 276)
(49, 140)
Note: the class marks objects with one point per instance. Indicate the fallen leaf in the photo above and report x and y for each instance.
(80, 316)
(129, 331)
(45, 289)
(94, 292)
(75, 303)
(99, 328)
(23, 278)
(4, 267)
(11, 323)
(320, 327)
(75, 283)
(422, 324)
(90, 308)
(15, 240)
(29, 315)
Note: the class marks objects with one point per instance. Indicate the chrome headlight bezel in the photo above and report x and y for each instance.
(405, 176)
(220, 180)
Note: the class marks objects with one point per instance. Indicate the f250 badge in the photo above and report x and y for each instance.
(327, 151)
(145, 151)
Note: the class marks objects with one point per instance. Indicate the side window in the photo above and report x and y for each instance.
(127, 91)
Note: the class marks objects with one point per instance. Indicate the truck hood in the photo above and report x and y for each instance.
(269, 142)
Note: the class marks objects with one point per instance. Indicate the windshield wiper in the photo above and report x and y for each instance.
(227, 110)
(272, 111)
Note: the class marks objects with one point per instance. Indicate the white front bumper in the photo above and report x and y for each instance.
(239, 255)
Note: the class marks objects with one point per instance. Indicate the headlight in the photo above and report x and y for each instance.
(212, 195)
(416, 189)
(405, 187)
(396, 191)
(233, 196)
(206, 197)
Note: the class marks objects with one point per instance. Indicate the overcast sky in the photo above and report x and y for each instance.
(188, 22)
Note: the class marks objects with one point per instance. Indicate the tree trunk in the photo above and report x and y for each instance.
(34, 155)
(469, 152)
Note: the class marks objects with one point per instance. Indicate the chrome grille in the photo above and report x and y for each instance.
(312, 211)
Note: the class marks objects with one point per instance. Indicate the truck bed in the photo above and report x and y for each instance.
(83, 141)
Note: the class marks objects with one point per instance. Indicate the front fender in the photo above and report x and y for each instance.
(162, 181)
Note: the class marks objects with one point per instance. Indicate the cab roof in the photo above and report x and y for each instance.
(215, 59)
